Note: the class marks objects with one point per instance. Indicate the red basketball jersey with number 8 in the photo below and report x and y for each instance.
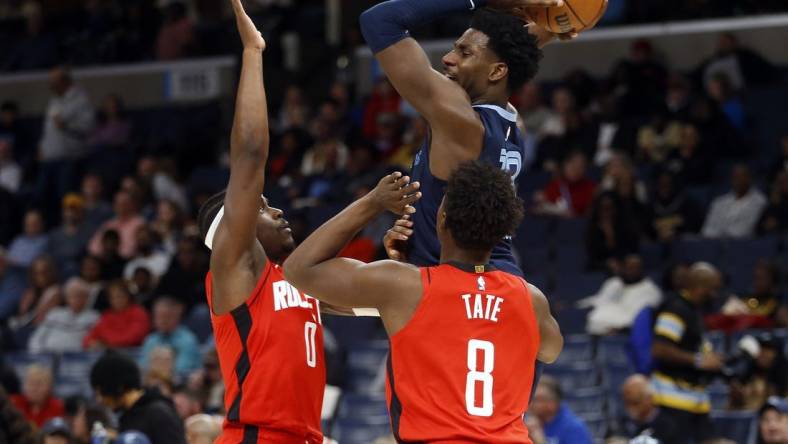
(461, 370)
(271, 355)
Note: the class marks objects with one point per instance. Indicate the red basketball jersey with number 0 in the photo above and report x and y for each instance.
(271, 355)
(461, 370)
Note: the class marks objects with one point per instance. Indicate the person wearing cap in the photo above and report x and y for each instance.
(773, 422)
(68, 241)
(56, 431)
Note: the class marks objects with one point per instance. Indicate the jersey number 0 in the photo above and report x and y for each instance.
(484, 377)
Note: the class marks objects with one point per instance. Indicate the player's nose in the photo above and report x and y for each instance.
(448, 59)
(276, 213)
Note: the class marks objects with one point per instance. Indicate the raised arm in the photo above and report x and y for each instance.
(235, 244)
(314, 268)
(552, 342)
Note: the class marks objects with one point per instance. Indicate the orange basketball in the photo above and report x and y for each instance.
(574, 16)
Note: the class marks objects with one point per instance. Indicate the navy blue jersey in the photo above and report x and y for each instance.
(503, 147)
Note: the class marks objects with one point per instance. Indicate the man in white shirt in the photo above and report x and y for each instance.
(148, 256)
(621, 298)
(64, 327)
(736, 214)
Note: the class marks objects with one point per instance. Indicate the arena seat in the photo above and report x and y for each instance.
(362, 430)
(76, 365)
(355, 405)
(571, 231)
(719, 393)
(585, 400)
(739, 426)
(533, 258)
(199, 322)
(572, 320)
(596, 423)
(698, 249)
(571, 258)
(577, 348)
(572, 287)
(533, 231)
(20, 361)
(574, 376)
(613, 349)
(614, 374)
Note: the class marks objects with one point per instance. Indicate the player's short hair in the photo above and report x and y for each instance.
(481, 206)
(208, 212)
(511, 41)
(115, 374)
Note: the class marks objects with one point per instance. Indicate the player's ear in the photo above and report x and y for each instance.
(498, 72)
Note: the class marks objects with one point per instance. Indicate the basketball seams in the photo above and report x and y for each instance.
(572, 10)
(600, 13)
(547, 18)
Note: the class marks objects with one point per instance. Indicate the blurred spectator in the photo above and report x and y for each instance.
(773, 422)
(67, 243)
(143, 286)
(561, 426)
(571, 193)
(775, 217)
(12, 285)
(56, 431)
(531, 107)
(689, 163)
(757, 370)
(672, 211)
(294, 111)
(643, 417)
(716, 131)
(614, 132)
(159, 177)
(10, 216)
(412, 140)
(10, 171)
(112, 263)
(176, 37)
(16, 134)
(147, 255)
(328, 154)
(168, 331)
(114, 128)
(9, 381)
(535, 430)
(611, 234)
(26, 247)
(140, 191)
(160, 372)
(563, 107)
(126, 222)
(168, 225)
(682, 359)
(116, 380)
(720, 90)
(41, 296)
(389, 132)
(643, 76)
(286, 156)
(620, 177)
(743, 66)
(202, 429)
(97, 210)
(564, 132)
(86, 415)
(37, 49)
(184, 278)
(90, 271)
(123, 310)
(677, 97)
(621, 298)
(765, 300)
(208, 382)
(736, 214)
(659, 137)
(384, 99)
(187, 402)
(68, 120)
(14, 428)
(64, 328)
(36, 402)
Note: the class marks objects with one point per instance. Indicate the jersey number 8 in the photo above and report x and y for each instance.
(484, 377)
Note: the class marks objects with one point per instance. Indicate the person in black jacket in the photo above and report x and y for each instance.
(117, 382)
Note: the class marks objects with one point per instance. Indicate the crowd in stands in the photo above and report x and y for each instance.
(642, 159)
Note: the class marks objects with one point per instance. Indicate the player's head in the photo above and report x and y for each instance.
(273, 230)
(112, 377)
(479, 209)
(495, 56)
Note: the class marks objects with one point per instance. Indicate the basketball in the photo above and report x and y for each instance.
(573, 16)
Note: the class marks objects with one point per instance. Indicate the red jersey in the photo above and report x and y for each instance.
(461, 370)
(271, 356)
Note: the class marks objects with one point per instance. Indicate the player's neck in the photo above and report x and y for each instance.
(454, 254)
(492, 98)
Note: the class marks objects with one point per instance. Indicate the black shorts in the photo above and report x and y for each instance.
(698, 425)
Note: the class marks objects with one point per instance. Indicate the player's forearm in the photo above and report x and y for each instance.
(387, 23)
(249, 138)
(328, 240)
(672, 354)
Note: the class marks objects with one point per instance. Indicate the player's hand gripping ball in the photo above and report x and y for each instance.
(570, 17)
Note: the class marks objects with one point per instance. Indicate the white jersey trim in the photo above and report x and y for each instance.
(509, 114)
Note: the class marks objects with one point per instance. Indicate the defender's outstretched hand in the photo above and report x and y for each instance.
(396, 237)
(396, 193)
(250, 35)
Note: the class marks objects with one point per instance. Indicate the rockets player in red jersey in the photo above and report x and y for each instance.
(464, 336)
(268, 334)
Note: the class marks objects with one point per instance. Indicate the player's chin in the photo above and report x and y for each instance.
(289, 243)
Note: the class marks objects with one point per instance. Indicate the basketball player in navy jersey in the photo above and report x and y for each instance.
(466, 106)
